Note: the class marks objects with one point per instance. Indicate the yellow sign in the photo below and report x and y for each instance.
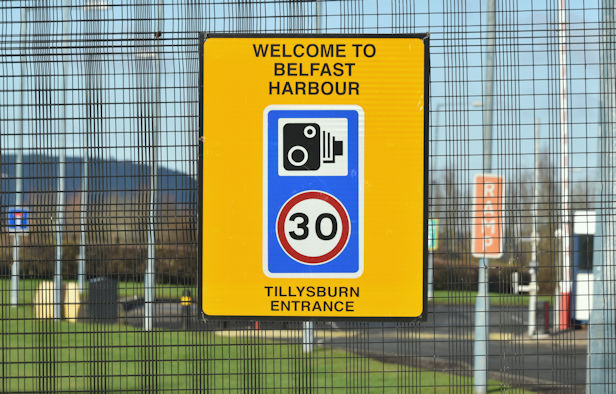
(313, 169)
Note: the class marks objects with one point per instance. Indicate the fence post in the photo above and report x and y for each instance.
(308, 327)
(59, 227)
(83, 211)
(534, 262)
(600, 371)
(150, 280)
(432, 215)
(564, 285)
(308, 337)
(19, 164)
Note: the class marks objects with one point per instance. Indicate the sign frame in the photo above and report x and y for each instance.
(425, 37)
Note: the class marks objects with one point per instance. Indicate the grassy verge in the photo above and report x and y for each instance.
(497, 299)
(44, 356)
(174, 291)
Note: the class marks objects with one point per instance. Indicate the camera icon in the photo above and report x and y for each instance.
(306, 147)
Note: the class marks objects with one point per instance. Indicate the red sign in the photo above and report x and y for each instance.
(487, 237)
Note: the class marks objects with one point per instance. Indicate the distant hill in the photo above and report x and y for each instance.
(104, 177)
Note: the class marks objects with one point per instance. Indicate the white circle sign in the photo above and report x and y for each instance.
(313, 227)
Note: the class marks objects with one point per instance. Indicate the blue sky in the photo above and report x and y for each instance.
(526, 73)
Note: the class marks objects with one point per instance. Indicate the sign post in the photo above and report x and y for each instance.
(18, 223)
(487, 244)
(313, 172)
(432, 246)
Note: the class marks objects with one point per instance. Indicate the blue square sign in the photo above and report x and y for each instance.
(18, 219)
(313, 176)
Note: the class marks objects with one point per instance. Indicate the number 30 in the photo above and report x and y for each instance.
(303, 225)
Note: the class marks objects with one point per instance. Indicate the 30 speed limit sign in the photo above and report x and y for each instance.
(313, 191)
(313, 227)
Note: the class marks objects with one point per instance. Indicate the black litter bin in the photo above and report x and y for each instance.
(103, 300)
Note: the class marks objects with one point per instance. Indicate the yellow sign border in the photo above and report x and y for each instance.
(425, 104)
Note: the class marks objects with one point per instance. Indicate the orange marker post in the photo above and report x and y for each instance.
(487, 233)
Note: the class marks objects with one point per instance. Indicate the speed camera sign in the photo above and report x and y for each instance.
(313, 191)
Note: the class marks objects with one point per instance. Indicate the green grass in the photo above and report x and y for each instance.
(130, 289)
(496, 299)
(43, 356)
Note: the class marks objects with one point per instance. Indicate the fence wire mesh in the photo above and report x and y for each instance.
(99, 153)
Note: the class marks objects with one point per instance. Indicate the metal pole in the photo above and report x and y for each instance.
(565, 280)
(59, 227)
(150, 270)
(430, 275)
(318, 12)
(15, 271)
(439, 107)
(480, 345)
(19, 165)
(83, 200)
(308, 337)
(308, 326)
(81, 268)
(532, 302)
(482, 302)
(601, 359)
(94, 8)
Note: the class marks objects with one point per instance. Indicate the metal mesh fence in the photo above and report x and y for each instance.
(99, 154)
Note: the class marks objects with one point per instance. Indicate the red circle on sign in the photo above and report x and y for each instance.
(331, 200)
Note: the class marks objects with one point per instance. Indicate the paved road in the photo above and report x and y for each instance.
(444, 341)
